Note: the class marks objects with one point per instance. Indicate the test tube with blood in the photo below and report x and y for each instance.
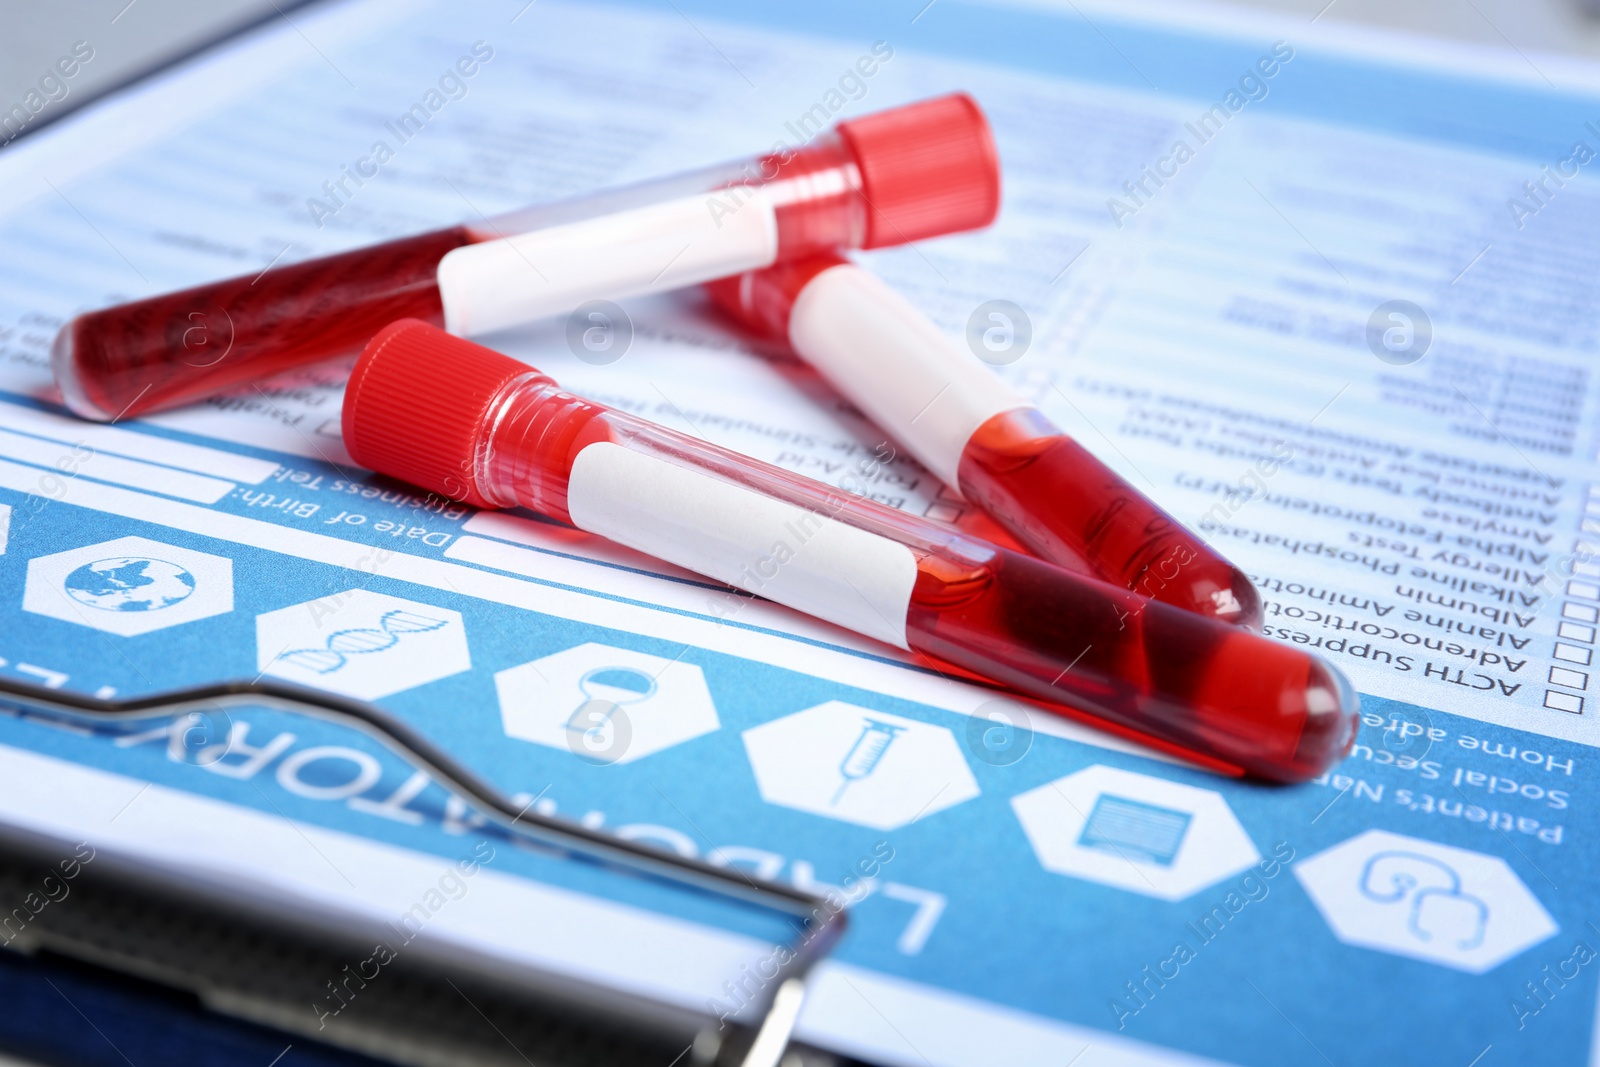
(484, 429)
(900, 175)
(976, 434)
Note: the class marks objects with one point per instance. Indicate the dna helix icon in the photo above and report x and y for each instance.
(342, 644)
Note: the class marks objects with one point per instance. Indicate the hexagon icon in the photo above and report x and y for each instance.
(605, 704)
(1432, 902)
(361, 644)
(129, 586)
(857, 765)
(1131, 831)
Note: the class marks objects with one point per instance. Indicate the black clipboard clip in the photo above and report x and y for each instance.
(550, 1006)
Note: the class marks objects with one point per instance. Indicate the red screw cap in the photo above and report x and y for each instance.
(416, 406)
(927, 169)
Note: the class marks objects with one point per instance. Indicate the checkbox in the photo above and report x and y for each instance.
(1563, 701)
(1576, 632)
(1572, 653)
(1570, 679)
(1583, 590)
(1581, 612)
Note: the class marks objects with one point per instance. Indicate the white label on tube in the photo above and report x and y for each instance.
(655, 248)
(920, 386)
(800, 558)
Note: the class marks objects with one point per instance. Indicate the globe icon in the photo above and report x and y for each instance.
(129, 583)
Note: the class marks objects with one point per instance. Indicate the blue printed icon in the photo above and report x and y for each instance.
(859, 765)
(129, 583)
(342, 644)
(1430, 890)
(1433, 902)
(130, 586)
(360, 643)
(1134, 832)
(1133, 828)
(865, 755)
(599, 731)
(605, 704)
(617, 685)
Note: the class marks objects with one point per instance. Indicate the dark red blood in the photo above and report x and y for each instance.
(177, 347)
(1067, 506)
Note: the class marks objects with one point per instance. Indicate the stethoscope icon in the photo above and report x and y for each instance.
(1390, 877)
(595, 724)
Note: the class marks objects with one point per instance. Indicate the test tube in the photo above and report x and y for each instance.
(904, 174)
(486, 430)
(978, 436)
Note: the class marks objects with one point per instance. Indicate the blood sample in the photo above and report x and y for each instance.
(977, 435)
(899, 175)
(486, 430)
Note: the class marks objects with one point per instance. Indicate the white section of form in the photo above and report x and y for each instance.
(564, 539)
(64, 460)
(201, 459)
(295, 865)
(888, 1020)
(307, 425)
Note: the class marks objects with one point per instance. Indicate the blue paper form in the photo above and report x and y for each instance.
(1022, 890)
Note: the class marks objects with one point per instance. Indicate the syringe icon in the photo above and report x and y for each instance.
(865, 755)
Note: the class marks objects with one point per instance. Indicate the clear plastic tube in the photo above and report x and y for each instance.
(491, 432)
(899, 175)
(973, 432)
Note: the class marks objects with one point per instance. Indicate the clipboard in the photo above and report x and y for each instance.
(983, 975)
(250, 957)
